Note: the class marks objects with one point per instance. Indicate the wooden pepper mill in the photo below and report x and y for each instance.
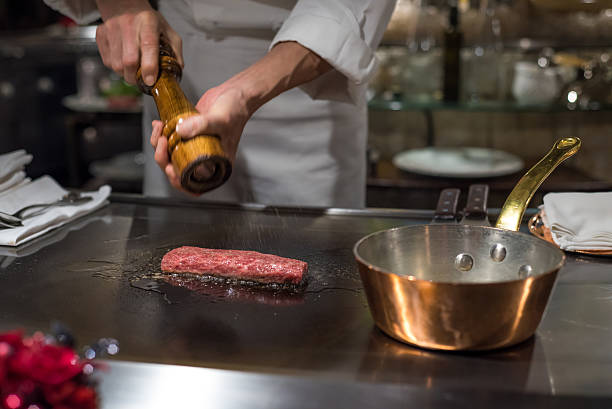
(189, 154)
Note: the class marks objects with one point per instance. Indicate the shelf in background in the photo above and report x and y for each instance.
(525, 45)
(392, 187)
(489, 106)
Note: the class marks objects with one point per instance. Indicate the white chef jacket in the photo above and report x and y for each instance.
(306, 147)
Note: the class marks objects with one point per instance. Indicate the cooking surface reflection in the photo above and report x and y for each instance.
(86, 280)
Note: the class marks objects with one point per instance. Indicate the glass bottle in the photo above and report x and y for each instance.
(453, 41)
(421, 75)
(482, 60)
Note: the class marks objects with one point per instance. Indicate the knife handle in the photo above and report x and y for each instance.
(446, 210)
(476, 205)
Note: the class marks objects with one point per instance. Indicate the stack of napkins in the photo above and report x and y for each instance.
(22, 192)
(579, 221)
(12, 167)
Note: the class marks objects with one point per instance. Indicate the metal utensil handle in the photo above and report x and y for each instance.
(476, 206)
(69, 199)
(8, 220)
(59, 203)
(516, 203)
(446, 209)
(6, 223)
(19, 214)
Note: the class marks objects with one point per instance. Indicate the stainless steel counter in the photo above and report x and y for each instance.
(99, 276)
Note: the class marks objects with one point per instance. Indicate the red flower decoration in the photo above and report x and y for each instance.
(36, 372)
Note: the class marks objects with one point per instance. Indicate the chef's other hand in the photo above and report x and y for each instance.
(129, 37)
(160, 144)
(223, 113)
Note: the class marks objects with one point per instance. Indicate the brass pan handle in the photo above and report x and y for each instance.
(516, 203)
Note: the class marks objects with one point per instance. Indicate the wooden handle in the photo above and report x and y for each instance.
(189, 155)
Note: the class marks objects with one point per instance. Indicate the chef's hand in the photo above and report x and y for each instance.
(225, 109)
(129, 37)
(223, 112)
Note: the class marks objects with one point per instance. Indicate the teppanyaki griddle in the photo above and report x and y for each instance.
(85, 277)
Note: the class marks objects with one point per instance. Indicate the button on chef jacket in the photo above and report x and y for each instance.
(306, 147)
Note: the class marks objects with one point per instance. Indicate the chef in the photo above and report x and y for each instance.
(282, 82)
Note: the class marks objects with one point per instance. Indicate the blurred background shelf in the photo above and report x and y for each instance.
(51, 69)
(483, 106)
(389, 186)
(528, 72)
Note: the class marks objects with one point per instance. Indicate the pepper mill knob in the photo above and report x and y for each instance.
(188, 155)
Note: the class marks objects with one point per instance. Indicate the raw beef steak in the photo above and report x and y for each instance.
(237, 264)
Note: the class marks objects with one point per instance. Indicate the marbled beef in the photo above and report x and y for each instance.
(236, 264)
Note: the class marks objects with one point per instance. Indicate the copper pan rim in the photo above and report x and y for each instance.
(372, 268)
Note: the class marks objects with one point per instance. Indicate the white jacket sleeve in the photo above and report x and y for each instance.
(81, 11)
(346, 34)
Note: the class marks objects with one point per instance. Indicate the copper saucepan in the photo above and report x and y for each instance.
(464, 287)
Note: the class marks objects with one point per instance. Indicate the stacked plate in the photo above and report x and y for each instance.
(459, 162)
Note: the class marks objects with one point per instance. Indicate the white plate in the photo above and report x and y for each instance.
(126, 166)
(461, 162)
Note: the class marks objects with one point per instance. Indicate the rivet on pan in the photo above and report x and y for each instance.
(498, 252)
(525, 270)
(464, 262)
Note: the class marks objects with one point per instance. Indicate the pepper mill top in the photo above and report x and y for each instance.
(200, 161)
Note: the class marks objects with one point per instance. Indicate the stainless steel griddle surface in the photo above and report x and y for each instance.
(100, 277)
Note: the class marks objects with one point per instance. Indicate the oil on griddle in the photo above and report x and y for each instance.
(141, 269)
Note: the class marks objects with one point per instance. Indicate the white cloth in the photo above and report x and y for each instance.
(44, 190)
(294, 150)
(55, 236)
(13, 180)
(579, 221)
(81, 11)
(346, 34)
(11, 168)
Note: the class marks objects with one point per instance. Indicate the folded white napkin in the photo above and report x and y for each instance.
(9, 253)
(43, 190)
(14, 179)
(11, 168)
(579, 221)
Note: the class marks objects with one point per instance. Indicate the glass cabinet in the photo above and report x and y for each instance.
(529, 73)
